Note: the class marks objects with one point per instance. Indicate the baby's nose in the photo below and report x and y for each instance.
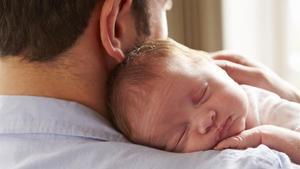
(207, 122)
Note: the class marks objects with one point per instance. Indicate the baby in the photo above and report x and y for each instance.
(170, 97)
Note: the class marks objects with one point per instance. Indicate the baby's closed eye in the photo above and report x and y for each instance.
(199, 96)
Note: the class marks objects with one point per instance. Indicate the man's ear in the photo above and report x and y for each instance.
(110, 30)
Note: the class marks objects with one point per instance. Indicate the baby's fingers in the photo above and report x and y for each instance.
(231, 142)
(247, 138)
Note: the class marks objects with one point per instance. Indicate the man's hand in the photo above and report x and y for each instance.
(247, 138)
(246, 71)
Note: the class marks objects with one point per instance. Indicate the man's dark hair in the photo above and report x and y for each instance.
(42, 29)
(142, 15)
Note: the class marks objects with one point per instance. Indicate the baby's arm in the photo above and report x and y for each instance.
(270, 109)
(283, 140)
(285, 114)
(278, 138)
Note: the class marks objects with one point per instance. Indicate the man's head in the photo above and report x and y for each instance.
(74, 44)
(174, 98)
(42, 30)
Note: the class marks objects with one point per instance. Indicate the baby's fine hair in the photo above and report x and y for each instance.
(132, 81)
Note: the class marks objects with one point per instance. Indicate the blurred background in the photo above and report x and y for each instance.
(265, 30)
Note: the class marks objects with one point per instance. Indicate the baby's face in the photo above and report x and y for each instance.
(193, 108)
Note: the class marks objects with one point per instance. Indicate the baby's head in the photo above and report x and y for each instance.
(170, 97)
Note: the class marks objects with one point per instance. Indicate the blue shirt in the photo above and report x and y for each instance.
(44, 133)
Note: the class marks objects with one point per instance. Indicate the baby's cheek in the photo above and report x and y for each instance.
(238, 126)
(243, 104)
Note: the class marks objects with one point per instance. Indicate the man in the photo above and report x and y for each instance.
(55, 59)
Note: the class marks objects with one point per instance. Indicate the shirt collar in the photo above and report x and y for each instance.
(42, 115)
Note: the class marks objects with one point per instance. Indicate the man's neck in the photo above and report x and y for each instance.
(79, 75)
(82, 82)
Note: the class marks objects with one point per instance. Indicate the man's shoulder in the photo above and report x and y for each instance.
(38, 151)
(48, 133)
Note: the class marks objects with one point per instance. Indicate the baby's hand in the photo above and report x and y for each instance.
(245, 139)
(278, 138)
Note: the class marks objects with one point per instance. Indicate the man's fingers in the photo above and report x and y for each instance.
(240, 73)
(233, 58)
